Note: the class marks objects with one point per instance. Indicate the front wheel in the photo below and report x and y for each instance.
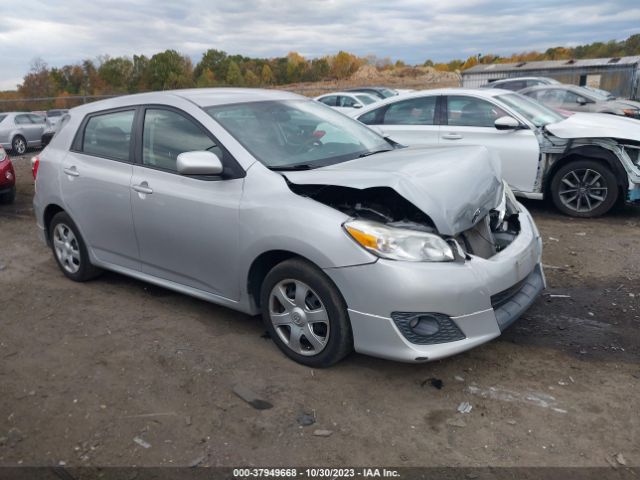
(584, 188)
(305, 314)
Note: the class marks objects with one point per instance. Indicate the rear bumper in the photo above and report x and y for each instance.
(481, 297)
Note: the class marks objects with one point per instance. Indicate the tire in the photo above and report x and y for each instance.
(331, 335)
(8, 197)
(19, 145)
(71, 255)
(593, 183)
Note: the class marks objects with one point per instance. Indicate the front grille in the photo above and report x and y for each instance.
(448, 331)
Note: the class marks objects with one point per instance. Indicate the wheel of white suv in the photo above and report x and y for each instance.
(19, 145)
(584, 188)
(69, 249)
(305, 314)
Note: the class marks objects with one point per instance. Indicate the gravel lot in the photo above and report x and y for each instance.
(87, 368)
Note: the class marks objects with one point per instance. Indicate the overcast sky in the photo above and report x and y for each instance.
(67, 31)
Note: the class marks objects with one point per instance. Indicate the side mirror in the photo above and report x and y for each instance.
(507, 123)
(357, 105)
(199, 163)
(581, 101)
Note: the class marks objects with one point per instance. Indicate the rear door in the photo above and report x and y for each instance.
(187, 226)
(471, 121)
(408, 122)
(96, 189)
(30, 130)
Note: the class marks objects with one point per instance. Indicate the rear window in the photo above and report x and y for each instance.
(55, 113)
(109, 135)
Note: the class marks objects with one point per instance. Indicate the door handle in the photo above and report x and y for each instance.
(72, 171)
(452, 136)
(143, 188)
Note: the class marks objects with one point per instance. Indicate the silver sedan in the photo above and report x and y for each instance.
(270, 203)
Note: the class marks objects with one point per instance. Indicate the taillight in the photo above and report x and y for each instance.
(35, 163)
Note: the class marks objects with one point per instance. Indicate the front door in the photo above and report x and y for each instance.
(471, 121)
(187, 227)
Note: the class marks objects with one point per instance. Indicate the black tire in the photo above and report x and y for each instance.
(19, 145)
(340, 338)
(8, 197)
(86, 271)
(606, 187)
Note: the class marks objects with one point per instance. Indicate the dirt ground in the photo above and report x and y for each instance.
(87, 368)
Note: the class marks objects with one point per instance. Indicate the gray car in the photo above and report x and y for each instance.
(520, 83)
(270, 203)
(21, 130)
(583, 99)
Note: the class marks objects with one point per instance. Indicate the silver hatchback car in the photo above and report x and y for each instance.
(270, 203)
(21, 130)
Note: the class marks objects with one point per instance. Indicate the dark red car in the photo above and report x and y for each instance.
(7, 178)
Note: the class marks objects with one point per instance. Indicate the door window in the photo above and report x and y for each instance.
(109, 135)
(330, 100)
(553, 97)
(37, 119)
(414, 111)
(168, 134)
(347, 102)
(22, 120)
(465, 111)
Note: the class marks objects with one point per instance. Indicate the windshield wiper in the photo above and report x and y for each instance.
(366, 154)
(299, 166)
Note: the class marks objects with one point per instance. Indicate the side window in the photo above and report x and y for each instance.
(552, 98)
(415, 111)
(465, 111)
(371, 118)
(109, 135)
(38, 119)
(167, 134)
(22, 120)
(347, 102)
(514, 85)
(570, 97)
(331, 100)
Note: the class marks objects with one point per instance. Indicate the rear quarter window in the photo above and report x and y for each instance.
(108, 135)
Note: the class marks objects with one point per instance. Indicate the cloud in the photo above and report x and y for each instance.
(412, 30)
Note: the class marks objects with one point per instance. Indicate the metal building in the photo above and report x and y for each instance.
(618, 75)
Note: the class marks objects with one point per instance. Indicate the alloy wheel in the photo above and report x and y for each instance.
(20, 146)
(583, 190)
(299, 317)
(66, 247)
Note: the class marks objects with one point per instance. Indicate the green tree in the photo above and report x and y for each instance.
(234, 75)
(168, 70)
(266, 76)
(116, 73)
(251, 79)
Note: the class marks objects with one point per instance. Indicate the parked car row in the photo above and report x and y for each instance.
(22, 130)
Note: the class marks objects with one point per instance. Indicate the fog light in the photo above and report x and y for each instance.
(424, 325)
(427, 328)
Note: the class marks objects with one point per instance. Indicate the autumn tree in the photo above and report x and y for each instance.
(266, 76)
(234, 75)
(344, 65)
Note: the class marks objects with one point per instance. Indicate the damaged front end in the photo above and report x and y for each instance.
(390, 226)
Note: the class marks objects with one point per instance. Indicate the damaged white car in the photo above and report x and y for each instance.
(585, 162)
(267, 202)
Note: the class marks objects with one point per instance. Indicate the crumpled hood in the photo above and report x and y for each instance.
(596, 125)
(455, 187)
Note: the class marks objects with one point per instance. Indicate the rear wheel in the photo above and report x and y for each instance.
(70, 250)
(19, 145)
(584, 188)
(305, 314)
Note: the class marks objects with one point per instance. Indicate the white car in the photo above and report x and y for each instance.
(347, 102)
(585, 162)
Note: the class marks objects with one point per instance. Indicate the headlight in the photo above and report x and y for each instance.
(399, 243)
(631, 112)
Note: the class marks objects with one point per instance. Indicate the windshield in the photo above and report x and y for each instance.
(365, 99)
(297, 133)
(599, 94)
(533, 111)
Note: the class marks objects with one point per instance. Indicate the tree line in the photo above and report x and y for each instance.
(171, 69)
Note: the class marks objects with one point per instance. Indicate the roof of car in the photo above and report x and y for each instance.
(352, 94)
(512, 79)
(561, 86)
(203, 97)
